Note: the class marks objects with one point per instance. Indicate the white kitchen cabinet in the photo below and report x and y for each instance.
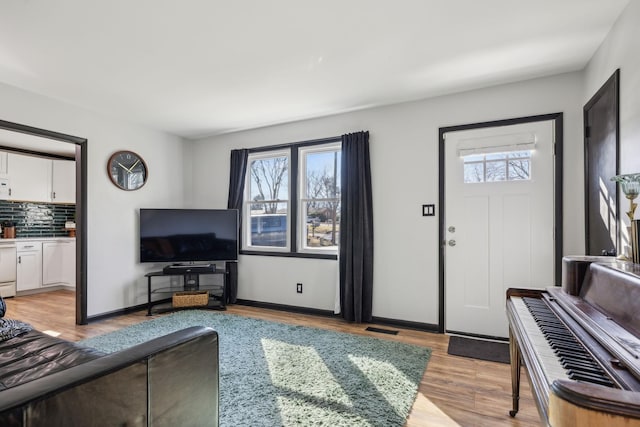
(4, 178)
(63, 181)
(7, 270)
(58, 263)
(37, 179)
(70, 263)
(29, 178)
(3, 162)
(29, 267)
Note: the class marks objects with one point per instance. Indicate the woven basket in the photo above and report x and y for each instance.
(190, 298)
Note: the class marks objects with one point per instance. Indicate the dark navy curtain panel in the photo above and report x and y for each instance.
(237, 172)
(356, 230)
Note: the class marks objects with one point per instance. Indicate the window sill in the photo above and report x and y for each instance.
(290, 254)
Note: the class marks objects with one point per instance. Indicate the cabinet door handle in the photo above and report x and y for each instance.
(53, 195)
(19, 260)
(9, 191)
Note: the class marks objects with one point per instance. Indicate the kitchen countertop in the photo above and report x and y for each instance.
(35, 239)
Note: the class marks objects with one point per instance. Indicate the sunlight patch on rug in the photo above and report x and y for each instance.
(300, 370)
(296, 410)
(392, 385)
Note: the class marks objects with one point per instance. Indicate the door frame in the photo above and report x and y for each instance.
(557, 118)
(81, 206)
(612, 83)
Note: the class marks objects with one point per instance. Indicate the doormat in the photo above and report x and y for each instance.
(479, 349)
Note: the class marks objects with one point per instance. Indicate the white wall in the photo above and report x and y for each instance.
(404, 150)
(115, 277)
(404, 156)
(621, 49)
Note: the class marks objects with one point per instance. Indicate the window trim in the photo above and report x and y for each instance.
(293, 245)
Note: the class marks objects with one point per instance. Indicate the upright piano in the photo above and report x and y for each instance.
(580, 344)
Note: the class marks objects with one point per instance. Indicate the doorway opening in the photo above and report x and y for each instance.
(601, 117)
(79, 155)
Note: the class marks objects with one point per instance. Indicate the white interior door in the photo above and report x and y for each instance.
(499, 196)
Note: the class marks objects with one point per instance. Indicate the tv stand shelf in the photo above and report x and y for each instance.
(191, 282)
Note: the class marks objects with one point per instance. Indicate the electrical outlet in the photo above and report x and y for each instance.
(299, 288)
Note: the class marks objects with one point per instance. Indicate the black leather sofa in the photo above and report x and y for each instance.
(168, 381)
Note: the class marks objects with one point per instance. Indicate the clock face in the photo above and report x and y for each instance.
(127, 170)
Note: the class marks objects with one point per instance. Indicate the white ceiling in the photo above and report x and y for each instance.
(202, 67)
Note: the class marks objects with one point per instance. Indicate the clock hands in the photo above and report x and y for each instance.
(129, 170)
(133, 166)
(123, 166)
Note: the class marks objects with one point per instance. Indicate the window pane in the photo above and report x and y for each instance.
(519, 169)
(270, 181)
(322, 175)
(498, 167)
(473, 172)
(519, 154)
(496, 156)
(269, 229)
(322, 224)
(496, 171)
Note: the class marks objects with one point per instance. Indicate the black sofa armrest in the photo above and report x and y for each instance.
(167, 381)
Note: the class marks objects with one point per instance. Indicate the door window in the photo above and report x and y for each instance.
(515, 166)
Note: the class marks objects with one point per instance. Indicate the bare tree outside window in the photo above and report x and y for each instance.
(474, 172)
(322, 197)
(519, 165)
(269, 201)
(269, 179)
(495, 171)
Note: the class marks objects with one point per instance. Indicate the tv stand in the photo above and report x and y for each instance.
(190, 282)
(189, 268)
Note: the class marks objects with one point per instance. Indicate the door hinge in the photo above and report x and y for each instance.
(587, 131)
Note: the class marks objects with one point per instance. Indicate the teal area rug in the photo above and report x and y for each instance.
(273, 374)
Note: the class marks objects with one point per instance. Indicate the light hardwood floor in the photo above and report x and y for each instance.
(454, 390)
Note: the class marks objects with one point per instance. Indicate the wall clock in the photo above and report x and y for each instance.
(127, 170)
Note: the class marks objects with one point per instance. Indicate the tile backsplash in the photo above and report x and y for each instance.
(37, 219)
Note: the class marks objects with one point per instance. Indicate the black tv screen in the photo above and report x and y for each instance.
(188, 235)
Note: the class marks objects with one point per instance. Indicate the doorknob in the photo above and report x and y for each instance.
(452, 242)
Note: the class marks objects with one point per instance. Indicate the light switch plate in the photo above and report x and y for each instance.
(428, 210)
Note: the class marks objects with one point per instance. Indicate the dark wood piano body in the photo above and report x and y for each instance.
(599, 304)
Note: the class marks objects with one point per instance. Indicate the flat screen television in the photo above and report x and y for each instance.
(188, 235)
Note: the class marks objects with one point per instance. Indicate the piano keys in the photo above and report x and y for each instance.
(573, 358)
(580, 344)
